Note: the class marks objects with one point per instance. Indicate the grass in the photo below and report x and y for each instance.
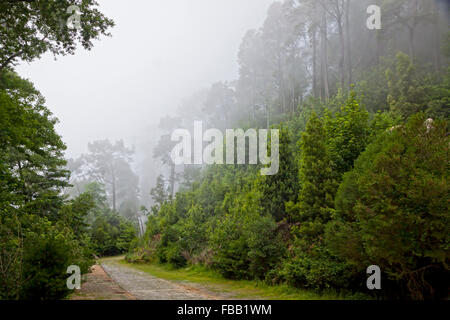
(238, 289)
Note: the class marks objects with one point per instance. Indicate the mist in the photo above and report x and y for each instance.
(160, 52)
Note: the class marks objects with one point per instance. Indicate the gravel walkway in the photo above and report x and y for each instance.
(143, 286)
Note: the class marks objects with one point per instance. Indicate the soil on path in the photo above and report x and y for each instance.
(146, 287)
(112, 281)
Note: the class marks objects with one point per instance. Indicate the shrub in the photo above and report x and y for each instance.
(392, 209)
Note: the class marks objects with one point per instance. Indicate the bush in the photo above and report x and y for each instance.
(48, 251)
(245, 243)
(317, 269)
(392, 209)
(111, 234)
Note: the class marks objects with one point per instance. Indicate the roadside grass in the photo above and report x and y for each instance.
(239, 289)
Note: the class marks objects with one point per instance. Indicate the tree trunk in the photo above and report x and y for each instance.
(349, 48)
(113, 189)
(411, 31)
(314, 45)
(437, 41)
(294, 100)
(342, 57)
(24, 186)
(281, 88)
(324, 57)
(172, 180)
(380, 45)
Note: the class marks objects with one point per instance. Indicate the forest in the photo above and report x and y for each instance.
(363, 179)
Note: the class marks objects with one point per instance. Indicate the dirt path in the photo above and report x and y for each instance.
(97, 285)
(112, 281)
(146, 287)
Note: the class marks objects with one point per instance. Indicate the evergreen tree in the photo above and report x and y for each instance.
(347, 134)
(407, 95)
(284, 186)
(317, 179)
(392, 209)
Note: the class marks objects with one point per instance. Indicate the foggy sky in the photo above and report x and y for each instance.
(160, 52)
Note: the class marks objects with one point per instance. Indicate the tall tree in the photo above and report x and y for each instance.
(37, 229)
(159, 194)
(220, 105)
(30, 149)
(407, 94)
(336, 9)
(283, 187)
(324, 67)
(109, 164)
(392, 209)
(317, 179)
(164, 148)
(348, 42)
(29, 28)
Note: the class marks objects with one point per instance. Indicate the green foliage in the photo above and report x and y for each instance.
(438, 105)
(265, 247)
(407, 93)
(226, 220)
(446, 46)
(159, 193)
(48, 251)
(316, 269)
(309, 264)
(111, 234)
(373, 87)
(40, 234)
(31, 152)
(244, 241)
(11, 252)
(193, 231)
(318, 183)
(355, 187)
(278, 189)
(347, 134)
(31, 28)
(393, 207)
(38, 252)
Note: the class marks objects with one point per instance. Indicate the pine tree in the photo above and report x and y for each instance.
(284, 186)
(318, 184)
(347, 134)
